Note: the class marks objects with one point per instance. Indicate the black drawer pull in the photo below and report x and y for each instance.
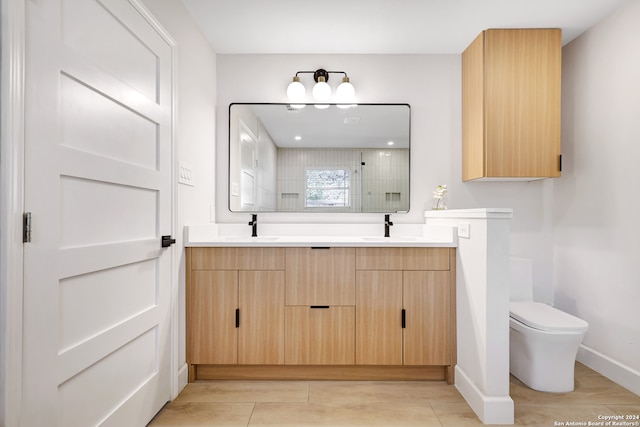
(404, 318)
(319, 306)
(237, 317)
(320, 247)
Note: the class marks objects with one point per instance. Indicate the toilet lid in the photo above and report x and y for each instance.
(544, 317)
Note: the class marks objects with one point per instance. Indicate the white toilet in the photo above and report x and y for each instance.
(544, 341)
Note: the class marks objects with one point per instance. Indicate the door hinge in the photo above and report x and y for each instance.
(26, 227)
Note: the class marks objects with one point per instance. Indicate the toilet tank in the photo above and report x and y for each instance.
(521, 287)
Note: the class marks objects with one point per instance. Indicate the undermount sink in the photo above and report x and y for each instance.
(390, 239)
(251, 239)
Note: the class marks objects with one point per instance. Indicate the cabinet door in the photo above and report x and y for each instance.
(324, 276)
(511, 104)
(427, 335)
(261, 329)
(523, 102)
(379, 318)
(213, 299)
(319, 336)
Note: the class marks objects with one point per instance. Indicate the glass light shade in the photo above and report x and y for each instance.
(296, 91)
(345, 92)
(321, 90)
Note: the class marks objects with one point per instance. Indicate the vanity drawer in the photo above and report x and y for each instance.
(237, 258)
(320, 276)
(402, 259)
(319, 335)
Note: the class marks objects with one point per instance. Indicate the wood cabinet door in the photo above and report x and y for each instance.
(427, 334)
(323, 276)
(213, 299)
(523, 102)
(261, 318)
(319, 336)
(511, 104)
(379, 318)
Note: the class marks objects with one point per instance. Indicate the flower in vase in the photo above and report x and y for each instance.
(438, 197)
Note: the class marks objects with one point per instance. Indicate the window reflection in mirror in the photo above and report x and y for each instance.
(284, 158)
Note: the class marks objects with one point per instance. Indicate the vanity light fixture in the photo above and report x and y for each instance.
(345, 93)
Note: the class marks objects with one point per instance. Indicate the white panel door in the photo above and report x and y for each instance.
(248, 156)
(98, 156)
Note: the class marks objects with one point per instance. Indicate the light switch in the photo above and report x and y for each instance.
(464, 230)
(185, 174)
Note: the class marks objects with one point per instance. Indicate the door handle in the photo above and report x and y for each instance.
(167, 241)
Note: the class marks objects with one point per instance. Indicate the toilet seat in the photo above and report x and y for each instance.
(546, 318)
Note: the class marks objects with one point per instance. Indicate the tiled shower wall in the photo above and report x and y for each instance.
(379, 178)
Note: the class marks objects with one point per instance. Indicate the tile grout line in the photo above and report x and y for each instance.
(436, 414)
(251, 415)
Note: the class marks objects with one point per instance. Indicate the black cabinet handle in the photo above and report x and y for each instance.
(320, 247)
(237, 317)
(404, 318)
(319, 306)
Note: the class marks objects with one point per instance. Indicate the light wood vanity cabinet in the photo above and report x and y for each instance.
(235, 306)
(403, 300)
(511, 104)
(321, 313)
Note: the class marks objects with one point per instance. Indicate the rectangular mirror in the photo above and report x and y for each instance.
(319, 158)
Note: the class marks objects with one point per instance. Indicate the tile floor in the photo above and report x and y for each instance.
(372, 403)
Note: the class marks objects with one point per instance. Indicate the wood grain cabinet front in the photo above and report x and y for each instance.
(322, 313)
(405, 307)
(320, 276)
(511, 105)
(319, 335)
(235, 316)
(403, 318)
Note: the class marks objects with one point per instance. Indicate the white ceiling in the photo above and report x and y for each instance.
(380, 26)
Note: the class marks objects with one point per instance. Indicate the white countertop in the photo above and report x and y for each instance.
(307, 235)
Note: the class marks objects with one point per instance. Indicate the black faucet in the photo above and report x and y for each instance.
(387, 224)
(254, 225)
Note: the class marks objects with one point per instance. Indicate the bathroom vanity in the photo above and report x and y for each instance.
(321, 308)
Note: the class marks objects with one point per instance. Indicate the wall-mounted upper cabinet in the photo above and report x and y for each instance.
(511, 105)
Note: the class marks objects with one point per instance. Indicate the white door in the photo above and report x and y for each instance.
(98, 177)
(248, 162)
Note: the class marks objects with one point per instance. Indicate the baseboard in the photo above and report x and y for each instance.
(323, 372)
(615, 371)
(490, 409)
(183, 378)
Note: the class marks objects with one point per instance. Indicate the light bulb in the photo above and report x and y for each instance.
(321, 90)
(296, 91)
(345, 92)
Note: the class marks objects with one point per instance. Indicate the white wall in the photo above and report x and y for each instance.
(597, 202)
(194, 131)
